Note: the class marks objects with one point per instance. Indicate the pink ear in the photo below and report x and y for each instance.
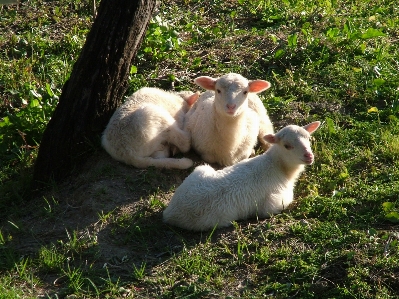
(271, 138)
(312, 126)
(192, 99)
(205, 82)
(258, 85)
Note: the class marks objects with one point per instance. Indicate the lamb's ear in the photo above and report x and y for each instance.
(192, 99)
(312, 126)
(206, 82)
(271, 138)
(257, 86)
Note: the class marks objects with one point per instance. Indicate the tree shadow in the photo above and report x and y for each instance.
(107, 220)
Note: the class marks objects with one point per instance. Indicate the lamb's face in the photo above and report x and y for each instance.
(231, 92)
(231, 96)
(294, 142)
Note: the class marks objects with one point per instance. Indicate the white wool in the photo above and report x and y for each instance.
(259, 186)
(228, 118)
(265, 124)
(147, 127)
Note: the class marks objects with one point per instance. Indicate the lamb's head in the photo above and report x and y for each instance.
(294, 143)
(231, 91)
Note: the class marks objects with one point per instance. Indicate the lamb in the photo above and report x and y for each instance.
(227, 119)
(259, 186)
(148, 126)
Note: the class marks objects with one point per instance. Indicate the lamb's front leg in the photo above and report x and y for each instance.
(179, 138)
(162, 151)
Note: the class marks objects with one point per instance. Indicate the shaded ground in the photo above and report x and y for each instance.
(115, 209)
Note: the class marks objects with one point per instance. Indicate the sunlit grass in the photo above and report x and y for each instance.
(333, 61)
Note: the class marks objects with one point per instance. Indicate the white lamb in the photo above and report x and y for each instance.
(259, 186)
(227, 119)
(148, 126)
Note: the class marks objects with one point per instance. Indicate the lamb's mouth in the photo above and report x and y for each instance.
(308, 161)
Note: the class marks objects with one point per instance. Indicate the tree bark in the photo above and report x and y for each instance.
(94, 90)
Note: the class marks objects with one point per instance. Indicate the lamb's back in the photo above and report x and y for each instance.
(170, 101)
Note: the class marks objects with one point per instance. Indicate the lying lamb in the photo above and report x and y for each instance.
(227, 119)
(259, 186)
(148, 126)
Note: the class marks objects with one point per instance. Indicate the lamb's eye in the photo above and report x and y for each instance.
(245, 92)
(287, 146)
(218, 90)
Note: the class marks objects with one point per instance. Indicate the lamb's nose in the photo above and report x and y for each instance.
(308, 155)
(231, 107)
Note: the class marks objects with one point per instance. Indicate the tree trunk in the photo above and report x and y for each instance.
(94, 90)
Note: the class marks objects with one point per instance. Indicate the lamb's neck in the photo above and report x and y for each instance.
(291, 172)
(228, 124)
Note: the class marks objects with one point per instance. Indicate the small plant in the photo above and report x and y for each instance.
(139, 272)
(161, 41)
(51, 259)
(155, 200)
(75, 279)
(197, 261)
(23, 269)
(76, 243)
(4, 239)
(105, 217)
(156, 203)
(391, 211)
(113, 286)
(50, 205)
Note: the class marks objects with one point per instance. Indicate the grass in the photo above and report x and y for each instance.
(100, 234)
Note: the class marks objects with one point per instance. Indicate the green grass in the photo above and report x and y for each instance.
(100, 235)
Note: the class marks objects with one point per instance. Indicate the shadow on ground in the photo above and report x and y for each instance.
(112, 214)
